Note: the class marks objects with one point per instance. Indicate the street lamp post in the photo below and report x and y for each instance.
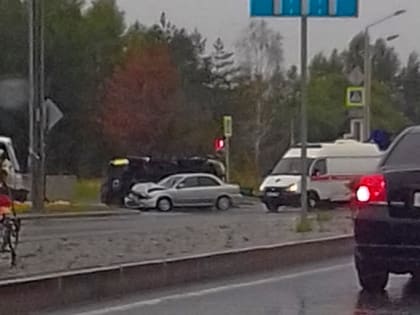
(303, 109)
(368, 71)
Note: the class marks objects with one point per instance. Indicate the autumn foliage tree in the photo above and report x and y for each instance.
(140, 100)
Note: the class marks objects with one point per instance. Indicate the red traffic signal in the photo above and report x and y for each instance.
(219, 144)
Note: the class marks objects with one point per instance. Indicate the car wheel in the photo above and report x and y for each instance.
(223, 203)
(164, 205)
(372, 278)
(272, 208)
(313, 200)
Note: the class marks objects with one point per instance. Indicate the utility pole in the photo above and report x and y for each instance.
(367, 85)
(227, 131)
(227, 159)
(36, 102)
(303, 110)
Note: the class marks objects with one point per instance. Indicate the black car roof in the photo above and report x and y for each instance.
(150, 160)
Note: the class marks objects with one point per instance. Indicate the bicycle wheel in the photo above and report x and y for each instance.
(8, 242)
(16, 224)
(3, 238)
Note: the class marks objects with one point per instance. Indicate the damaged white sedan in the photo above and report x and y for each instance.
(184, 190)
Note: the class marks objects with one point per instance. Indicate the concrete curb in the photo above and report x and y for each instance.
(75, 215)
(38, 293)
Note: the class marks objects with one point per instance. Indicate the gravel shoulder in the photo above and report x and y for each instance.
(152, 236)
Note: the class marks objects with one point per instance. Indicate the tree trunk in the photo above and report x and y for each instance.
(258, 136)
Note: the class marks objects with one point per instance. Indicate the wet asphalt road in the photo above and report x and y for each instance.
(320, 289)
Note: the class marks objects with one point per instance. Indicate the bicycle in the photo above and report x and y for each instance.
(9, 225)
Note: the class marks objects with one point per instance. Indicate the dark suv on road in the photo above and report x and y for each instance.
(387, 215)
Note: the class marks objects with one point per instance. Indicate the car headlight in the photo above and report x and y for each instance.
(141, 195)
(132, 196)
(292, 188)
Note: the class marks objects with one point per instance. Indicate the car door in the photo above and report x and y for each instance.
(320, 180)
(185, 193)
(209, 190)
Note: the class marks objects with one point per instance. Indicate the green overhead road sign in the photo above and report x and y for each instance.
(355, 96)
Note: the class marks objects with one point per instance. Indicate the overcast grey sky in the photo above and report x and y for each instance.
(227, 18)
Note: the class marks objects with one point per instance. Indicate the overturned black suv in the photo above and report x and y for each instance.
(123, 173)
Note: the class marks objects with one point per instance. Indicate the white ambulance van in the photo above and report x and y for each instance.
(331, 168)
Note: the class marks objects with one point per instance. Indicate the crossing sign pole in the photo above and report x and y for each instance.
(304, 9)
(227, 130)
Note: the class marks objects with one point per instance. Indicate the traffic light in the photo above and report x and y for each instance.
(219, 144)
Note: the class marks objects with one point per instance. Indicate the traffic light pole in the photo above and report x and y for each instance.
(303, 112)
(36, 103)
(227, 158)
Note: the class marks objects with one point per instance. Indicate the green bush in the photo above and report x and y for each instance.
(244, 173)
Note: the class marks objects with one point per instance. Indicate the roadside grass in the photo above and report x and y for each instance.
(85, 198)
(303, 225)
(322, 216)
(87, 191)
(248, 181)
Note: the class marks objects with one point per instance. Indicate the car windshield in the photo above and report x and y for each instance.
(290, 166)
(169, 182)
(406, 153)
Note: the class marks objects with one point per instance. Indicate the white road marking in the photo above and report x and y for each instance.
(155, 301)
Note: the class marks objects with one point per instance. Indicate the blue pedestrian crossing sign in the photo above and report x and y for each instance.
(311, 8)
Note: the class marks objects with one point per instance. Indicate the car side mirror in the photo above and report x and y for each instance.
(180, 186)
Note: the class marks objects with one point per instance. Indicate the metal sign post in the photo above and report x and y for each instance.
(367, 84)
(304, 9)
(36, 103)
(303, 111)
(227, 130)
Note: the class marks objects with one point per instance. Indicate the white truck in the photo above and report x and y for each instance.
(331, 168)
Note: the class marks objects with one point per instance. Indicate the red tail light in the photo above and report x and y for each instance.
(371, 189)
